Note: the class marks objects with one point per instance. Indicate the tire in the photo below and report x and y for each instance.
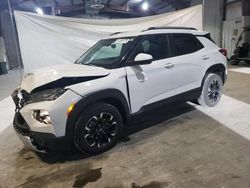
(98, 128)
(211, 91)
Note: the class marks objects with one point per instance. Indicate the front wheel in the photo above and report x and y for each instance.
(98, 128)
(211, 91)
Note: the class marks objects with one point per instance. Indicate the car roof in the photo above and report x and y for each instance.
(158, 30)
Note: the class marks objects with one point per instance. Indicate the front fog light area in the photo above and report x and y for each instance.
(42, 116)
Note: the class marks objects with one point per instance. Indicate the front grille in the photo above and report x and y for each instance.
(20, 125)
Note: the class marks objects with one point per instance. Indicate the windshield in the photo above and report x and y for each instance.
(106, 53)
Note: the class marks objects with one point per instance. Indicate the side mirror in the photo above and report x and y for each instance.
(143, 59)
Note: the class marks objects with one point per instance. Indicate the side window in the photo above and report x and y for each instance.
(183, 44)
(155, 45)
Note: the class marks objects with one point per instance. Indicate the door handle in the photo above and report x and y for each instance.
(205, 57)
(169, 65)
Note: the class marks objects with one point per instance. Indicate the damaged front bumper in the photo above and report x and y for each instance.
(24, 134)
(34, 132)
(39, 142)
(30, 144)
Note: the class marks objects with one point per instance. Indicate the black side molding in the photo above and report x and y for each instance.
(182, 97)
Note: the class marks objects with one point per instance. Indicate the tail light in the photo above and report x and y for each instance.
(223, 51)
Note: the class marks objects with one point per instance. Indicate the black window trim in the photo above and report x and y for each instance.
(126, 60)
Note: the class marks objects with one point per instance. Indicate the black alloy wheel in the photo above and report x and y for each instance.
(214, 91)
(98, 128)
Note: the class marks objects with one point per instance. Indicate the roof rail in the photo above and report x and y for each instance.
(170, 27)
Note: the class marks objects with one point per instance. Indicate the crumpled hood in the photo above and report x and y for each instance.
(50, 74)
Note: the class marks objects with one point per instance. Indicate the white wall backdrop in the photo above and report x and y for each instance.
(49, 40)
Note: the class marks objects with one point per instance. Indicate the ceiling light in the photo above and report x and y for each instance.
(145, 6)
(135, 1)
(39, 11)
(98, 5)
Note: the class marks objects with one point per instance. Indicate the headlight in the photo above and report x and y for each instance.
(42, 116)
(48, 95)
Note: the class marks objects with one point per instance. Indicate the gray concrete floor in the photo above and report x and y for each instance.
(8, 82)
(177, 147)
(238, 86)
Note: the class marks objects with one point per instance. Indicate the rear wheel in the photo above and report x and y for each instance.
(212, 90)
(98, 128)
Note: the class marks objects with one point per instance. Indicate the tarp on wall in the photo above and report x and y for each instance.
(49, 40)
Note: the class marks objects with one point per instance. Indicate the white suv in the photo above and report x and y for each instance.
(87, 104)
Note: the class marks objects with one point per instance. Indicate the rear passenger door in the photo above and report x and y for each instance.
(187, 58)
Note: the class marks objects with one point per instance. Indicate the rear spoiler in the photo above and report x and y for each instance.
(208, 36)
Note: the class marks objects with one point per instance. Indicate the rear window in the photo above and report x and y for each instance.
(183, 44)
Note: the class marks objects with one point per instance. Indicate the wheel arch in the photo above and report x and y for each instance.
(218, 69)
(110, 96)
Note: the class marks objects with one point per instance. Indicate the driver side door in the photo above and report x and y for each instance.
(152, 82)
